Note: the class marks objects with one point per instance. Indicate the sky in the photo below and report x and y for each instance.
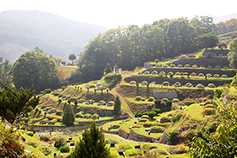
(115, 13)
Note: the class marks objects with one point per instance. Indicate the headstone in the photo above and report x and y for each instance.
(112, 145)
(137, 147)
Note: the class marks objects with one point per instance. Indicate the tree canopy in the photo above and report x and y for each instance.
(92, 144)
(232, 55)
(132, 46)
(72, 57)
(207, 40)
(15, 103)
(68, 115)
(220, 141)
(5, 72)
(35, 68)
(117, 106)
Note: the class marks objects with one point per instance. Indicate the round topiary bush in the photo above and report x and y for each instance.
(151, 99)
(188, 84)
(177, 73)
(64, 149)
(201, 75)
(165, 83)
(177, 84)
(138, 98)
(194, 66)
(132, 82)
(172, 65)
(224, 76)
(162, 73)
(164, 100)
(211, 85)
(208, 75)
(179, 65)
(193, 74)
(187, 66)
(200, 85)
(154, 72)
(146, 72)
(216, 75)
(208, 111)
(144, 83)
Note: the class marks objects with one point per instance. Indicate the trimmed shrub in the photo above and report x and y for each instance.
(201, 75)
(158, 129)
(208, 106)
(224, 76)
(165, 83)
(151, 99)
(177, 84)
(132, 82)
(145, 117)
(173, 136)
(138, 114)
(176, 117)
(172, 65)
(208, 111)
(144, 83)
(47, 90)
(188, 84)
(44, 138)
(165, 100)
(200, 85)
(186, 65)
(211, 85)
(208, 75)
(193, 74)
(64, 149)
(30, 134)
(138, 98)
(216, 75)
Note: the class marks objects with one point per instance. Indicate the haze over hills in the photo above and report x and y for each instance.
(57, 36)
(224, 18)
(22, 31)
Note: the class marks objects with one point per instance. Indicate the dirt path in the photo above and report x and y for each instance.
(124, 105)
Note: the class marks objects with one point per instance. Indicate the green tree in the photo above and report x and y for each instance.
(151, 114)
(68, 115)
(207, 40)
(222, 141)
(117, 106)
(5, 72)
(232, 55)
(15, 104)
(107, 68)
(72, 57)
(92, 144)
(35, 68)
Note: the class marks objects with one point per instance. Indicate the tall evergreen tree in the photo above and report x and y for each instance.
(15, 103)
(117, 106)
(107, 68)
(92, 144)
(68, 115)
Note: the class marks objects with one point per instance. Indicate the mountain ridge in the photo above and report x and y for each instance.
(56, 35)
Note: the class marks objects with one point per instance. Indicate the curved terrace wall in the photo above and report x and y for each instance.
(229, 73)
(172, 81)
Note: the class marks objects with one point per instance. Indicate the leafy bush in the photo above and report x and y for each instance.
(188, 101)
(44, 138)
(151, 114)
(64, 149)
(138, 114)
(176, 117)
(114, 81)
(60, 141)
(173, 136)
(47, 90)
(158, 129)
(208, 111)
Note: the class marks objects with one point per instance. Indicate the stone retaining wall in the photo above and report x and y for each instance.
(140, 138)
(123, 134)
(51, 127)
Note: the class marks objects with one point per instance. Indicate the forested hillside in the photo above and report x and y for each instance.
(57, 36)
(132, 46)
